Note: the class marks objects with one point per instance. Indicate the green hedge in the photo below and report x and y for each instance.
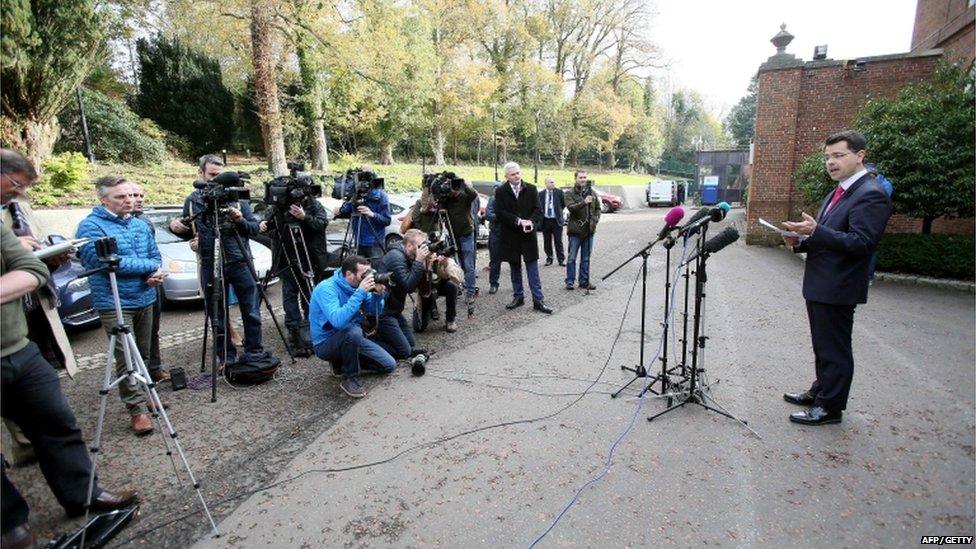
(937, 255)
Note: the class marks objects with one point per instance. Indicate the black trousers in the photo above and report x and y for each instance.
(552, 233)
(830, 329)
(32, 399)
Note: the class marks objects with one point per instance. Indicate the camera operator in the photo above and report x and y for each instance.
(236, 270)
(456, 202)
(423, 216)
(339, 308)
(311, 219)
(406, 264)
(372, 207)
(494, 242)
(139, 273)
(584, 214)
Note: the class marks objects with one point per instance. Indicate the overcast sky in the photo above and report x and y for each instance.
(716, 46)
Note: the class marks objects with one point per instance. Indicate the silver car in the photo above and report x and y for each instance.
(182, 282)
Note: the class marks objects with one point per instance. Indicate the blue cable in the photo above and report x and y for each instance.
(640, 403)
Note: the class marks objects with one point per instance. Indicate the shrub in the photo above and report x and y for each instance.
(117, 133)
(63, 174)
(938, 255)
(813, 181)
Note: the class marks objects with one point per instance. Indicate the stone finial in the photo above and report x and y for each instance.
(782, 39)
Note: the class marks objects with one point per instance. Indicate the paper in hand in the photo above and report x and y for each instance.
(60, 248)
(777, 229)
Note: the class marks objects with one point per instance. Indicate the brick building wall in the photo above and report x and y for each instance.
(946, 24)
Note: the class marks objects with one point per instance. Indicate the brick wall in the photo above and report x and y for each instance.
(946, 24)
(797, 105)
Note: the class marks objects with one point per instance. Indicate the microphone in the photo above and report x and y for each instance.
(714, 244)
(703, 217)
(671, 220)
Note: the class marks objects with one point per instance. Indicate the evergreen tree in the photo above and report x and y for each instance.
(740, 124)
(181, 90)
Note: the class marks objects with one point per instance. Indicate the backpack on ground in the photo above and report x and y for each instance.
(252, 368)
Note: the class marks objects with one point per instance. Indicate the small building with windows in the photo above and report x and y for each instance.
(721, 176)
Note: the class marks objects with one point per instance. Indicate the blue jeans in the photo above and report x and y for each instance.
(535, 284)
(392, 336)
(238, 276)
(494, 257)
(467, 247)
(346, 346)
(582, 245)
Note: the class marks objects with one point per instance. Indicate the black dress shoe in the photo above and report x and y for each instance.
(562, 263)
(107, 501)
(548, 261)
(803, 399)
(541, 307)
(816, 416)
(19, 537)
(493, 289)
(517, 302)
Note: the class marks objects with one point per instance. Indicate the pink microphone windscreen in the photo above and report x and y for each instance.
(674, 215)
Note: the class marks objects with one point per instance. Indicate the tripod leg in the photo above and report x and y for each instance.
(93, 450)
(203, 351)
(666, 410)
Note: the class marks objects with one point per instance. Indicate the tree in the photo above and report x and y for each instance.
(47, 48)
(117, 133)
(922, 141)
(182, 91)
(740, 124)
(266, 89)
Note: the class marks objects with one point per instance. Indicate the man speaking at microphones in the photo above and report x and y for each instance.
(839, 243)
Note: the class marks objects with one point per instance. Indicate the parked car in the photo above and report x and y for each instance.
(182, 282)
(76, 309)
(609, 203)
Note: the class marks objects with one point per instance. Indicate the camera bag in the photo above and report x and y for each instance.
(252, 368)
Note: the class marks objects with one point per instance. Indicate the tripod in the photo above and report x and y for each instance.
(136, 375)
(640, 371)
(218, 295)
(302, 273)
(695, 393)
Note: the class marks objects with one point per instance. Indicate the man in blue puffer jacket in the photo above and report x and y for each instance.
(337, 310)
(138, 274)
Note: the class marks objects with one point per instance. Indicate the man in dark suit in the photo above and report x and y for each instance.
(517, 213)
(839, 244)
(551, 202)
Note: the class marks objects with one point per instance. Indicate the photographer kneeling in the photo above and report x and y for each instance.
(338, 309)
(296, 222)
(406, 264)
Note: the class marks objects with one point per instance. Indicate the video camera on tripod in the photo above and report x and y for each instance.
(355, 185)
(441, 185)
(221, 190)
(294, 188)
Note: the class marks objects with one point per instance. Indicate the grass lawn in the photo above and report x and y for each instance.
(171, 181)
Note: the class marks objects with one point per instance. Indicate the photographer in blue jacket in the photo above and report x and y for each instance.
(343, 317)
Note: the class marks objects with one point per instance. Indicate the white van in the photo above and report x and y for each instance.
(661, 192)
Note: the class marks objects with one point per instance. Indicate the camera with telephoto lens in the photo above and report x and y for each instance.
(385, 279)
(442, 184)
(226, 187)
(440, 246)
(294, 188)
(418, 364)
(355, 185)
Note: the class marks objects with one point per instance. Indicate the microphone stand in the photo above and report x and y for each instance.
(695, 392)
(640, 371)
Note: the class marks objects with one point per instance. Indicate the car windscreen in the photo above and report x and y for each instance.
(161, 220)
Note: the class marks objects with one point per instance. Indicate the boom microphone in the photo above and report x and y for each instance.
(703, 217)
(715, 244)
(671, 220)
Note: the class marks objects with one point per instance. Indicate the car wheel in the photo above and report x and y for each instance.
(392, 239)
(604, 207)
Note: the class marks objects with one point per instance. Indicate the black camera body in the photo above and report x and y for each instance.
(355, 185)
(385, 279)
(224, 188)
(294, 188)
(441, 246)
(442, 184)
